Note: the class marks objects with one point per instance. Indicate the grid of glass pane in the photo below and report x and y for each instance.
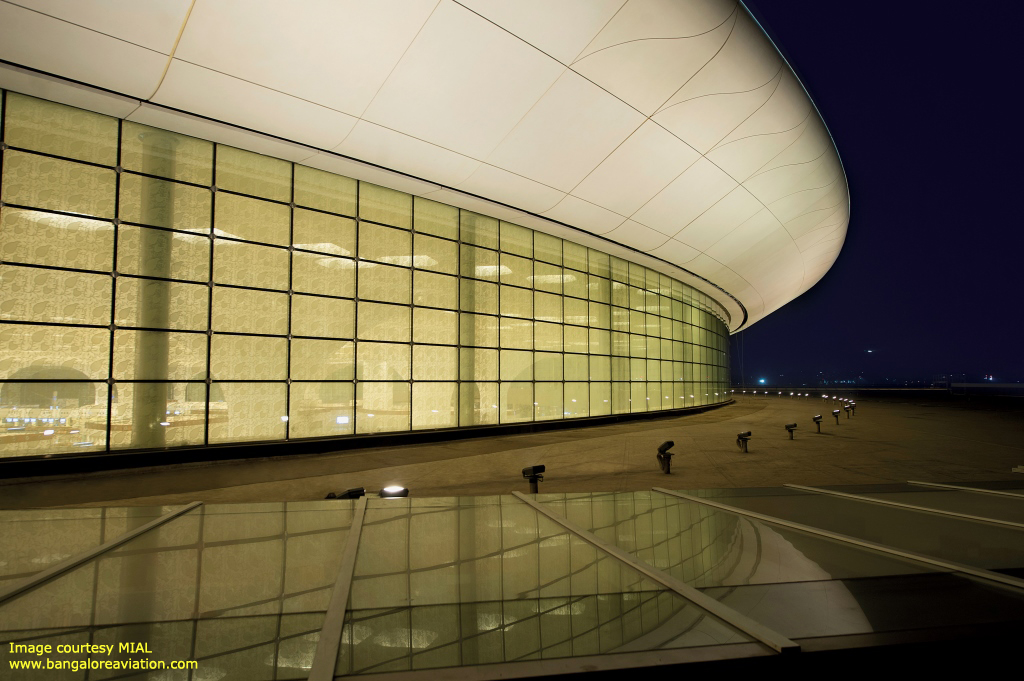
(160, 290)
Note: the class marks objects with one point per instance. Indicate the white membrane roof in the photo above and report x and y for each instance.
(672, 128)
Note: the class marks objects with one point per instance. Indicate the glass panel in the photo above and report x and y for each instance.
(436, 218)
(547, 248)
(435, 290)
(478, 330)
(382, 407)
(53, 184)
(244, 311)
(384, 205)
(29, 236)
(548, 401)
(517, 240)
(53, 352)
(384, 322)
(150, 415)
(326, 317)
(60, 130)
(240, 217)
(325, 233)
(574, 256)
(34, 294)
(435, 326)
(248, 411)
(34, 540)
(164, 204)
(231, 358)
(478, 403)
(160, 253)
(478, 229)
(478, 365)
(326, 275)
(324, 191)
(433, 363)
(313, 360)
(478, 296)
(435, 254)
(159, 355)
(44, 417)
(321, 409)
(516, 402)
(434, 405)
(962, 541)
(167, 154)
(254, 174)
(382, 362)
(384, 282)
(242, 264)
(970, 503)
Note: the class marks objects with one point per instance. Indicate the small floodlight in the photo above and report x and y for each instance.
(665, 456)
(741, 440)
(835, 412)
(790, 427)
(534, 474)
(393, 492)
(817, 421)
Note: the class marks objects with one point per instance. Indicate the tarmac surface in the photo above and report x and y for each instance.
(887, 440)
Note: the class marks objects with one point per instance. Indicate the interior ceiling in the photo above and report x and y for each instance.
(672, 127)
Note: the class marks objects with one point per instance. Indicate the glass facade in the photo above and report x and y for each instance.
(158, 290)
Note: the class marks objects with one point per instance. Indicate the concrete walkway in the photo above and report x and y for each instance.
(887, 441)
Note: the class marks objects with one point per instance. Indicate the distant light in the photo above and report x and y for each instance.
(393, 491)
(48, 431)
(761, 381)
(433, 411)
(165, 423)
(370, 415)
(870, 350)
(341, 419)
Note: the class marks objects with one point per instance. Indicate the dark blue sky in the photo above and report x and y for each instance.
(924, 104)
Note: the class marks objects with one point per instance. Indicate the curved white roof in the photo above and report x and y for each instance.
(670, 127)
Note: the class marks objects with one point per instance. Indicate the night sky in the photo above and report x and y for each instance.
(924, 103)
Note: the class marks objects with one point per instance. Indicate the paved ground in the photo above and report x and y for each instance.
(889, 440)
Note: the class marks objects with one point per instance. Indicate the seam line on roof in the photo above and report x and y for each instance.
(809, 189)
(705, 64)
(718, 94)
(393, 67)
(170, 57)
(640, 40)
(522, 39)
(742, 308)
(71, 23)
(763, 134)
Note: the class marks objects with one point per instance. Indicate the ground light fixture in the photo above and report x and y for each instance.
(846, 408)
(742, 439)
(790, 427)
(835, 412)
(534, 474)
(817, 421)
(665, 456)
(853, 408)
(393, 492)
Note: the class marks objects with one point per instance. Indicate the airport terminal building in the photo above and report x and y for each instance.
(227, 223)
(241, 228)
